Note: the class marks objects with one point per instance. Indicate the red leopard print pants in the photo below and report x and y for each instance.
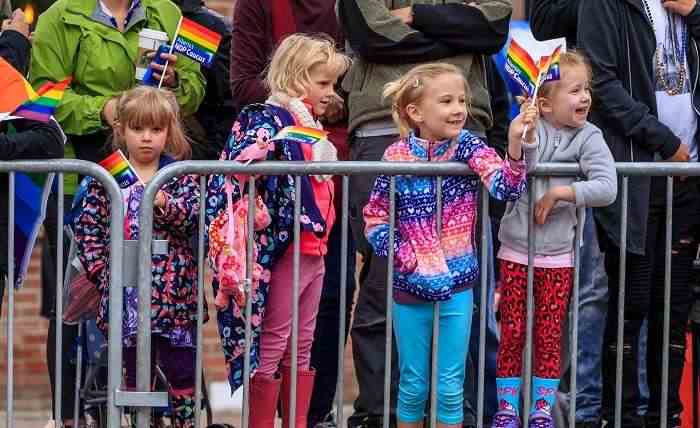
(551, 290)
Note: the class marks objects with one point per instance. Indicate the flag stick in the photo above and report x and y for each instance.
(172, 47)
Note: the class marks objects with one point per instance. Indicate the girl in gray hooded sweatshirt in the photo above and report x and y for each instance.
(563, 135)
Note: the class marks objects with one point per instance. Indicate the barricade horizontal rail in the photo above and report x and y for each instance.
(59, 167)
(347, 170)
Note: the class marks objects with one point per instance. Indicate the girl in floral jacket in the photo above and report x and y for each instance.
(148, 130)
(301, 77)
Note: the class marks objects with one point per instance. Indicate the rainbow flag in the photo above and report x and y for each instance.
(121, 169)
(300, 134)
(521, 68)
(15, 88)
(42, 107)
(197, 42)
(549, 65)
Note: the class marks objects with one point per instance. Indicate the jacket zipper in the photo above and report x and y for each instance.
(697, 72)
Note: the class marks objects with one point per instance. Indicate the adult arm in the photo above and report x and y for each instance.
(550, 19)
(475, 27)
(14, 48)
(599, 36)
(378, 36)
(52, 61)
(248, 53)
(33, 140)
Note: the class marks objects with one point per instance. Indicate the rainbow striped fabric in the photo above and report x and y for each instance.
(549, 65)
(42, 106)
(521, 68)
(197, 42)
(118, 165)
(15, 88)
(300, 134)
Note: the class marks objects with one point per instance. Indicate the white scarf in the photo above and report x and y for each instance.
(323, 150)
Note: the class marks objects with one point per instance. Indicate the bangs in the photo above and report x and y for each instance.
(147, 111)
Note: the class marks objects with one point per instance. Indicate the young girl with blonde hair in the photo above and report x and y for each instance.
(301, 77)
(149, 132)
(430, 106)
(563, 135)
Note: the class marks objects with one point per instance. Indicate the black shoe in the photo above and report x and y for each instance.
(370, 422)
(589, 424)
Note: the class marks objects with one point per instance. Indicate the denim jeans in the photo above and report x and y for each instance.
(592, 311)
(472, 378)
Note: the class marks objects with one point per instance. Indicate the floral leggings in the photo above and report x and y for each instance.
(551, 291)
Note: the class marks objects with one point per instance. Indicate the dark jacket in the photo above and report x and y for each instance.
(254, 28)
(550, 19)
(217, 112)
(620, 43)
(14, 48)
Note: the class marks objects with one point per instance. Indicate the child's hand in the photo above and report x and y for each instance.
(527, 118)
(161, 198)
(546, 203)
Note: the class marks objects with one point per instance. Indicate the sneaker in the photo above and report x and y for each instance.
(540, 419)
(505, 419)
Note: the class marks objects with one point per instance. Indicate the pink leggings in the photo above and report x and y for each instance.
(276, 337)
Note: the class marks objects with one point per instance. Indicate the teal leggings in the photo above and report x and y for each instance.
(413, 325)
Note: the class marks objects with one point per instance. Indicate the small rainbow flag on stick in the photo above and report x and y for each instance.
(42, 106)
(300, 134)
(549, 65)
(196, 42)
(521, 68)
(118, 165)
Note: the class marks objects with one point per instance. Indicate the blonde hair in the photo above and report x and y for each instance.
(571, 58)
(410, 88)
(145, 106)
(290, 68)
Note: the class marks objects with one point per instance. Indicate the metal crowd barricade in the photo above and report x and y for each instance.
(347, 169)
(60, 167)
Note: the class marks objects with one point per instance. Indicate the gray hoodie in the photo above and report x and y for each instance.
(584, 146)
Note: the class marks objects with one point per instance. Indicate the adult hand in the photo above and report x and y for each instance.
(109, 113)
(170, 80)
(335, 112)
(681, 7)
(681, 155)
(405, 14)
(17, 23)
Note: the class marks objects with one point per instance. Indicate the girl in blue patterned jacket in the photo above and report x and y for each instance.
(149, 131)
(430, 108)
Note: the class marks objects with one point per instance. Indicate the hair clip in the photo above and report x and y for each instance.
(416, 84)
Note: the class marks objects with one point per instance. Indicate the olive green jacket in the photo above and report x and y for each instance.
(70, 40)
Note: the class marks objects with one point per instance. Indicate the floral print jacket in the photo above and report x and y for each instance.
(258, 123)
(174, 295)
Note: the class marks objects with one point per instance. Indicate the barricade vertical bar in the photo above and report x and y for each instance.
(580, 220)
(527, 358)
(389, 307)
(621, 303)
(484, 307)
(436, 322)
(250, 242)
(667, 302)
(200, 303)
(78, 376)
(143, 338)
(116, 295)
(58, 378)
(295, 301)
(343, 297)
(9, 398)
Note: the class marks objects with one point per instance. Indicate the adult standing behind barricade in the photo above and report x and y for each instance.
(390, 37)
(550, 19)
(29, 139)
(97, 43)
(210, 126)
(258, 28)
(645, 59)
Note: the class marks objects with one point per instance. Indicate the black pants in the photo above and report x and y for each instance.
(369, 321)
(644, 298)
(324, 352)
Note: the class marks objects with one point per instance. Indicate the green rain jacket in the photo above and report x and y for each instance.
(70, 40)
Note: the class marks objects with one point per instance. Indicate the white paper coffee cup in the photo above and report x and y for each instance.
(149, 41)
